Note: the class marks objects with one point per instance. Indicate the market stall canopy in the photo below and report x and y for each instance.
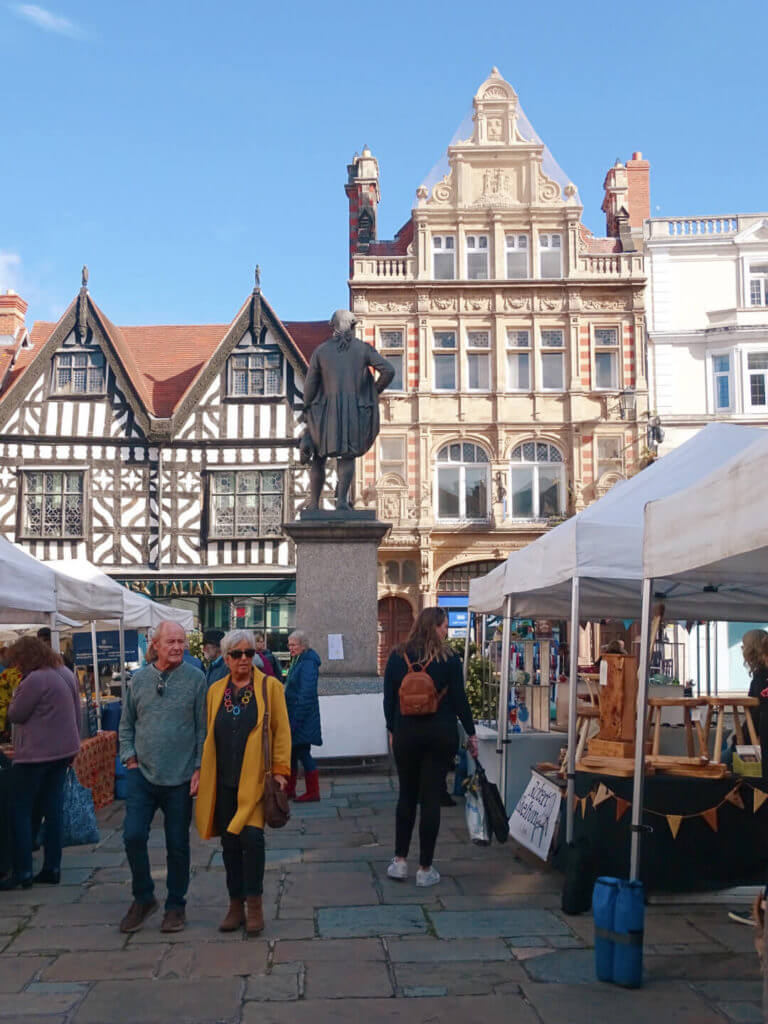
(27, 587)
(602, 545)
(718, 566)
(107, 600)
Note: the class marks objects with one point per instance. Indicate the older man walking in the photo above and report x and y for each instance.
(162, 730)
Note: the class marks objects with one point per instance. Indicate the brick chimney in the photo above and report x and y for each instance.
(12, 312)
(362, 191)
(627, 201)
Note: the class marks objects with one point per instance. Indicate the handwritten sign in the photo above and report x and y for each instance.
(534, 818)
(335, 647)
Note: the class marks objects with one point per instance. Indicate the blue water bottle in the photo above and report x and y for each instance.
(603, 911)
(629, 920)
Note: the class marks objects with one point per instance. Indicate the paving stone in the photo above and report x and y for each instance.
(461, 977)
(75, 876)
(340, 922)
(742, 1013)
(195, 931)
(23, 1005)
(8, 925)
(488, 1009)
(219, 960)
(125, 963)
(62, 940)
(114, 892)
(670, 1002)
(442, 951)
(158, 1002)
(306, 892)
(178, 961)
(38, 896)
(734, 937)
(528, 952)
(670, 929)
(298, 928)
(347, 951)
(270, 988)
(690, 948)
(731, 991)
(97, 859)
(76, 914)
(276, 858)
(16, 971)
(333, 980)
(325, 809)
(57, 988)
(327, 868)
(572, 967)
(705, 968)
(457, 924)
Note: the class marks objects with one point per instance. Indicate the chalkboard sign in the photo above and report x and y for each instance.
(534, 818)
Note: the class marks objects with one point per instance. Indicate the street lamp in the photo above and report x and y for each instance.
(627, 403)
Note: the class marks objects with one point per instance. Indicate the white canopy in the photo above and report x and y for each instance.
(27, 587)
(717, 565)
(78, 581)
(602, 546)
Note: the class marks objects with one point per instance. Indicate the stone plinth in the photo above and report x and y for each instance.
(336, 573)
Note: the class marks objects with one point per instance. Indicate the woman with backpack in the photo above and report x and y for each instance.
(423, 697)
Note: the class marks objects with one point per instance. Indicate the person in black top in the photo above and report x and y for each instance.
(424, 745)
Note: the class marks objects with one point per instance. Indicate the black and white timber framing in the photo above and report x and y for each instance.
(146, 479)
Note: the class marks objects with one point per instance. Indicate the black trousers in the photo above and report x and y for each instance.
(423, 749)
(244, 854)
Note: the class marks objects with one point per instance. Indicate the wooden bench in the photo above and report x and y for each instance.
(735, 702)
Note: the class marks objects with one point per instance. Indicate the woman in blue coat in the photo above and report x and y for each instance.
(304, 714)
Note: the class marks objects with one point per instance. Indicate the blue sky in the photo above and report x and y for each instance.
(173, 145)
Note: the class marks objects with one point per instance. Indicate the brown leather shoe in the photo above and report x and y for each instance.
(137, 915)
(174, 921)
(254, 915)
(235, 917)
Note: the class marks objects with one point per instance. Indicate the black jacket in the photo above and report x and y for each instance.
(445, 675)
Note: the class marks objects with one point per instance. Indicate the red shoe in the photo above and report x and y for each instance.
(291, 790)
(312, 794)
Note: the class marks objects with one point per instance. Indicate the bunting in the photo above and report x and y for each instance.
(600, 793)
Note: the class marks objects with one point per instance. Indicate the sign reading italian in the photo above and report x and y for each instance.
(534, 818)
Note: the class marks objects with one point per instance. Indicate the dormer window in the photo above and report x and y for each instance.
(256, 374)
(78, 373)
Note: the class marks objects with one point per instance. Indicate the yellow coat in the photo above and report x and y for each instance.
(250, 792)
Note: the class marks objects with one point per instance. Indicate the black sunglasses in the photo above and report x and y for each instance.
(247, 653)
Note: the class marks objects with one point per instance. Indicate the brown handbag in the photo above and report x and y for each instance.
(277, 811)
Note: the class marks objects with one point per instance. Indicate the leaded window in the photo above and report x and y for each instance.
(53, 505)
(246, 504)
(255, 374)
(78, 373)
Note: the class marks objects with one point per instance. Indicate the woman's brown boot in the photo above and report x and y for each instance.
(254, 915)
(235, 917)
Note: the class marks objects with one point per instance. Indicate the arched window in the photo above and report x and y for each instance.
(463, 480)
(537, 481)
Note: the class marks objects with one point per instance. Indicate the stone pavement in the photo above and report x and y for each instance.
(345, 943)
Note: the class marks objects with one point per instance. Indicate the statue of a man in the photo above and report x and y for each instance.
(341, 406)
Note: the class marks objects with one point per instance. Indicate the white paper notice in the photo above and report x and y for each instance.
(533, 820)
(335, 647)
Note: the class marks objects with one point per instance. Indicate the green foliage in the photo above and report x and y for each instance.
(483, 699)
(195, 641)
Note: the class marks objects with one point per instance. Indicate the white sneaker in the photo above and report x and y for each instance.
(428, 877)
(398, 869)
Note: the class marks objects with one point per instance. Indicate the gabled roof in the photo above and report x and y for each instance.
(164, 364)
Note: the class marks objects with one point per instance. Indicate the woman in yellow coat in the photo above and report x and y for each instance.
(230, 800)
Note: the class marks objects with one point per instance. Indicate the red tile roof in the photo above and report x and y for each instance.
(397, 246)
(598, 245)
(308, 334)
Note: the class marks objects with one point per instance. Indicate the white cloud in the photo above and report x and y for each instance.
(48, 21)
(10, 271)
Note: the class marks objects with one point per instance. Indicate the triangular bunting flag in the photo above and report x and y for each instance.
(758, 799)
(734, 797)
(674, 821)
(602, 794)
(622, 806)
(710, 817)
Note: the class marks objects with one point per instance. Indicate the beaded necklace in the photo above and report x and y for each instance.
(234, 709)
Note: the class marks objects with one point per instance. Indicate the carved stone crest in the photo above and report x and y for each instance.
(517, 303)
(549, 304)
(443, 303)
(605, 305)
(390, 306)
(477, 303)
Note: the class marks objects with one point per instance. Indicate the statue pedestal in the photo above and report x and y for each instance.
(336, 596)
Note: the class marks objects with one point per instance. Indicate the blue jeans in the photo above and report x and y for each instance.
(301, 752)
(37, 790)
(143, 798)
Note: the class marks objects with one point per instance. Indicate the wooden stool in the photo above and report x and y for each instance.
(721, 704)
(655, 705)
(586, 715)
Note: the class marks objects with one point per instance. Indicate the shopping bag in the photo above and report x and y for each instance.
(474, 811)
(79, 824)
(495, 812)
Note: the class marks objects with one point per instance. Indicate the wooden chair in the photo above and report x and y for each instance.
(587, 714)
(722, 703)
(655, 708)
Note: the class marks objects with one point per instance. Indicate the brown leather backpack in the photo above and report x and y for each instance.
(418, 695)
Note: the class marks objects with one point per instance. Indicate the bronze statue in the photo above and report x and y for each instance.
(341, 406)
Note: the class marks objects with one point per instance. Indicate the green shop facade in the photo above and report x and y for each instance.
(263, 603)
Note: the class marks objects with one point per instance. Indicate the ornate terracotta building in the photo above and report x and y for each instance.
(519, 340)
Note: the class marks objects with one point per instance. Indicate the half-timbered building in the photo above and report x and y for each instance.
(166, 455)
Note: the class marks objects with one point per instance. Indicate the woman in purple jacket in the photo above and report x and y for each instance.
(45, 712)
